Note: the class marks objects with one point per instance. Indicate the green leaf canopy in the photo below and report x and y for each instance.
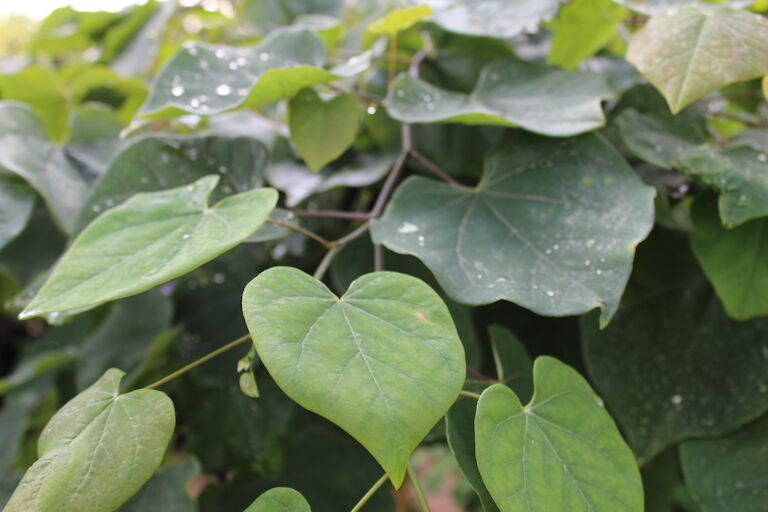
(561, 452)
(509, 92)
(383, 362)
(149, 239)
(98, 450)
(688, 52)
(551, 226)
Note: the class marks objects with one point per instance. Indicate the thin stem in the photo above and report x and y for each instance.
(497, 362)
(378, 258)
(413, 68)
(469, 394)
(433, 167)
(394, 174)
(198, 362)
(370, 98)
(299, 229)
(331, 214)
(326, 262)
(480, 376)
(341, 242)
(418, 489)
(370, 493)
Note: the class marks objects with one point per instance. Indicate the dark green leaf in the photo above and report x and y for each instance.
(494, 18)
(551, 226)
(166, 491)
(510, 92)
(98, 450)
(513, 364)
(388, 347)
(672, 365)
(283, 499)
(149, 239)
(562, 451)
(16, 204)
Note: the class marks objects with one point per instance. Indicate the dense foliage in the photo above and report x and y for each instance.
(266, 255)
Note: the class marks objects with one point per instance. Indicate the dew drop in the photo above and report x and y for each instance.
(223, 90)
(599, 272)
(371, 110)
(677, 399)
(185, 236)
(194, 103)
(762, 157)
(96, 208)
(177, 90)
(223, 169)
(218, 278)
(550, 293)
(430, 106)
(263, 56)
(241, 61)
(232, 65)
(407, 227)
(219, 54)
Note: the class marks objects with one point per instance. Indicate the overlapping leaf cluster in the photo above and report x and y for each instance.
(316, 241)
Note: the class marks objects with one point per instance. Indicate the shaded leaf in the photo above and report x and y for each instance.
(16, 204)
(387, 347)
(280, 498)
(689, 52)
(98, 450)
(509, 92)
(494, 18)
(551, 226)
(562, 451)
(149, 239)
(62, 175)
(729, 474)
(41, 89)
(672, 365)
(205, 79)
(322, 130)
(656, 6)
(513, 364)
(735, 260)
(166, 490)
(268, 15)
(161, 162)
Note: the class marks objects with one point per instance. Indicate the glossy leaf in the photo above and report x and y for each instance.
(689, 52)
(149, 239)
(280, 498)
(562, 451)
(510, 92)
(299, 183)
(494, 18)
(581, 29)
(735, 260)
(61, 175)
(322, 130)
(400, 19)
(657, 6)
(132, 46)
(551, 226)
(729, 474)
(205, 79)
(98, 450)
(160, 162)
(16, 204)
(268, 15)
(672, 365)
(738, 174)
(383, 362)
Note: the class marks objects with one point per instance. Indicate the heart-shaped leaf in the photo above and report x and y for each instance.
(280, 499)
(551, 226)
(510, 92)
(383, 362)
(97, 450)
(322, 130)
(147, 240)
(561, 452)
(688, 52)
(492, 18)
(62, 175)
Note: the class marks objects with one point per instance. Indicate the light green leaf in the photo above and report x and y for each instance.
(160, 162)
(581, 29)
(66, 30)
(16, 204)
(493, 18)
(383, 362)
(510, 92)
(97, 450)
(166, 491)
(561, 452)
(735, 260)
(729, 474)
(298, 182)
(282, 499)
(322, 130)
(98, 83)
(400, 19)
(672, 365)
(655, 6)
(689, 52)
(739, 174)
(513, 364)
(205, 79)
(149, 239)
(41, 89)
(62, 175)
(551, 226)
